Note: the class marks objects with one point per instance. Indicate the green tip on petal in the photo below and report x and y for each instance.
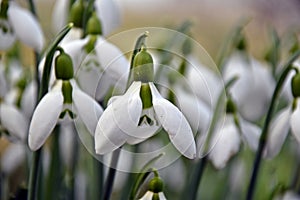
(143, 67)
(63, 66)
(67, 90)
(76, 13)
(156, 185)
(94, 26)
(296, 85)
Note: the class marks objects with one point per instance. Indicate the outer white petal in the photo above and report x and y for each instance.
(278, 131)
(251, 133)
(14, 121)
(88, 109)
(205, 83)
(109, 15)
(12, 158)
(174, 123)
(195, 110)
(295, 121)
(44, 119)
(8, 38)
(28, 100)
(3, 84)
(224, 144)
(26, 27)
(60, 14)
(148, 196)
(119, 121)
(162, 196)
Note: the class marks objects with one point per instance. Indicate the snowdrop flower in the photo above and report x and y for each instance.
(155, 190)
(107, 12)
(254, 88)
(16, 22)
(60, 99)
(287, 118)
(227, 138)
(140, 112)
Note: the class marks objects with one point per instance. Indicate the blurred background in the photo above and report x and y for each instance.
(212, 19)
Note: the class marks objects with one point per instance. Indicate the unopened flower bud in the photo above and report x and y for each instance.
(156, 185)
(94, 25)
(76, 13)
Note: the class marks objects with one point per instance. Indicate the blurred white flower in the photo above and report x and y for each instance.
(254, 88)
(227, 138)
(19, 23)
(44, 119)
(125, 120)
(12, 158)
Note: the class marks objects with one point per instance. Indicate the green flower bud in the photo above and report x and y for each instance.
(93, 26)
(230, 106)
(67, 92)
(296, 85)
(156, 185)
(143, 67)
(145, 94)
(76, 13)
(63, 66)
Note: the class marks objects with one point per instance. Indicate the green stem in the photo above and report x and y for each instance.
(34, 172)
(264, 135)
(111, 175)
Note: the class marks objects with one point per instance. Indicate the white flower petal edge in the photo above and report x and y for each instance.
(14, 121)
(88, 109)
(162, 196)
(60, 14)
(147, 196)
(174, 123)
(44, 118)
(26, 27)
(225, 143)
(7, 38)
(118, 120)
(251, 133)
(295, 122)
(278, 131)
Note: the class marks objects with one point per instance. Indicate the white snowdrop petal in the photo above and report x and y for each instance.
(75, 50)
(224, 144)
(14, 121)
(88, 109)
(119, 120)
(278, 131)
(44, 119)
(147, 196)
(295, 122)
(109, 15)
(26, 27)
(13, 157)
(28, 100)
(251, 133)
(162, 196)
(174, 123)
(7, 38)
(60, 14)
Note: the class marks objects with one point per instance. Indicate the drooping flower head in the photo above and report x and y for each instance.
(155, 190)
(140, 112)
(57, 104)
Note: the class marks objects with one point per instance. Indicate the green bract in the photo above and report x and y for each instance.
(296, 85)
(63, 66)
(156, 185)
(143, 67)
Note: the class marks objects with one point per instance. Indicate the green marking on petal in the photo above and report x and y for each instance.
(145, 94)
(67, 92)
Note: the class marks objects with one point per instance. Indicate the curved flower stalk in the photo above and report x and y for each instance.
(60, 99)
(17, 22)
(107, 12)
(140, 112)
(253, 89)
